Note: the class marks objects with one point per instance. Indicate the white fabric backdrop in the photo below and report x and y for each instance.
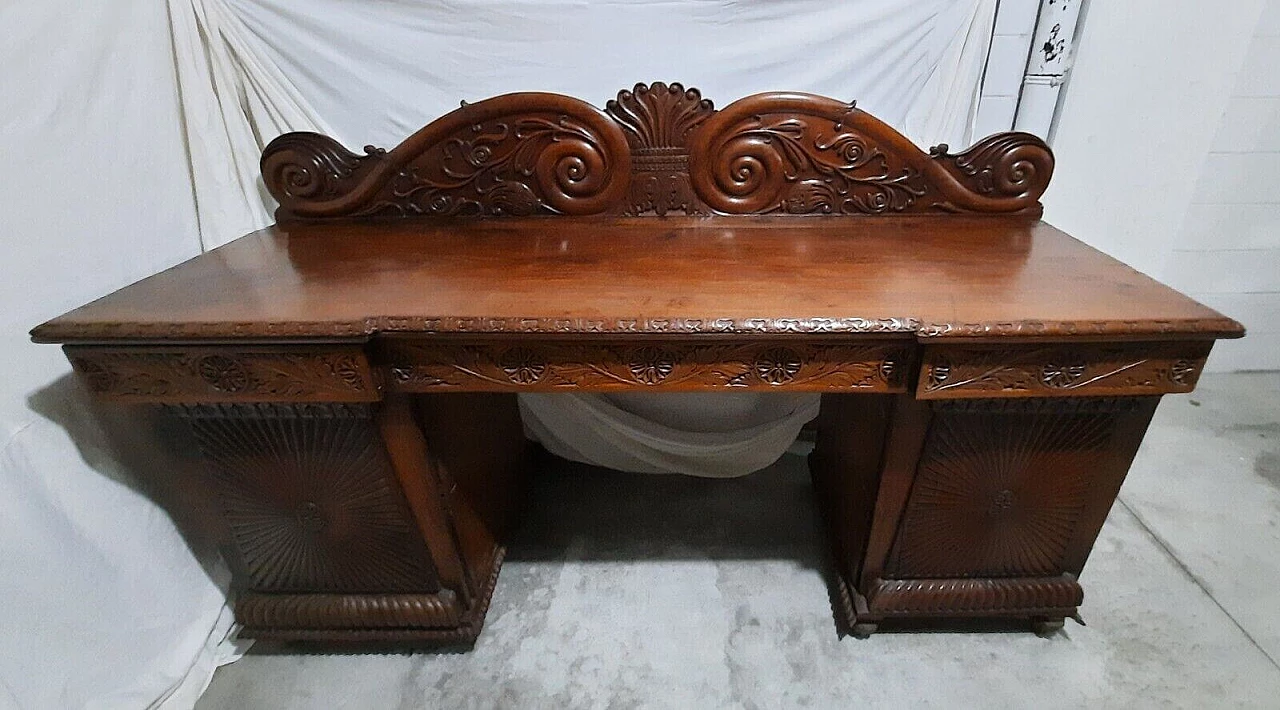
(131, 135)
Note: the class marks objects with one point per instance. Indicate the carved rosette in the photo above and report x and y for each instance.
(232, 374)
(657, 149)
(429, 366)
(1118, 369)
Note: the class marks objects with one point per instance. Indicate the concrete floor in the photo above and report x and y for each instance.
(630, 591)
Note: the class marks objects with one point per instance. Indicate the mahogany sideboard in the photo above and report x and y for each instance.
(351, 372)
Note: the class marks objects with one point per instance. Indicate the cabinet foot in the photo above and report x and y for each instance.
(863, 630)
(1044, 628)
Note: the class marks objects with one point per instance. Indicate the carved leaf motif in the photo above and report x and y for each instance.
(495, 167)
(804, 164)
(657, 121)
(1183, 372)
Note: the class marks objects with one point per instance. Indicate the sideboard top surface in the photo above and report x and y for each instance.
(927, 276)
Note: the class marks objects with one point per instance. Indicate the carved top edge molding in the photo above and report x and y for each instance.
(655, 149)
(57, 332)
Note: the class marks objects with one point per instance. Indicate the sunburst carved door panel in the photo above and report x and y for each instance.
(1001, 489)
(311, 500)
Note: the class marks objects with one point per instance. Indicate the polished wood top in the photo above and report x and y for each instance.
(930, 276)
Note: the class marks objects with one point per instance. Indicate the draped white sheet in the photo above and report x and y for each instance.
(132, 136)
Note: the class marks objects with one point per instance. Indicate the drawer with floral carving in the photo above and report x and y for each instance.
(1055, 370)
(302, 373)
(420, 365)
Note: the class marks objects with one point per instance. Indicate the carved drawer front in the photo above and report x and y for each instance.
(956, 372)
(1015, 488)
(310, 499)
(417, 365)
(314, 373)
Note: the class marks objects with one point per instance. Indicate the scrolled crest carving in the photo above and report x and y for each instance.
(655, 149)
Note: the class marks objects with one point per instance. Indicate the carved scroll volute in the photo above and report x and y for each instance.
(514, 154)
(800, 153)
(1005, 172)
(314, 175)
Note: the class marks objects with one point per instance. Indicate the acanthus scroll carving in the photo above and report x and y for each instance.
(798, 154)
(516, 154)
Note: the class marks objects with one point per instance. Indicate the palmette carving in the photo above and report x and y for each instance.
(660, 148)
(1058, 370)
(165, 374)
(440, 366)
(658, 120)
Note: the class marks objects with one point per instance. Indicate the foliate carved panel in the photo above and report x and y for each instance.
(311, 501)
(517, 154)
(1061, 370)
(660, 365)
(660, 148)
(231, 374)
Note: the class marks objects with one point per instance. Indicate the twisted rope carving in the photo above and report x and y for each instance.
(974, 596)
(320, 611)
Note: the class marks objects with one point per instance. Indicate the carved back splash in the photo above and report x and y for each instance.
(656, 150)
